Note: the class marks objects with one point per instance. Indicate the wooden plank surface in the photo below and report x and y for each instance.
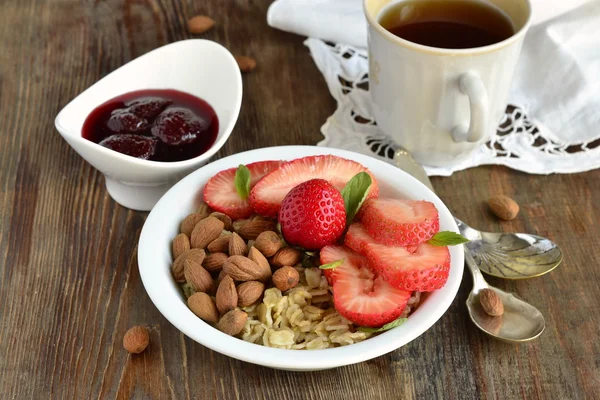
(69, 284)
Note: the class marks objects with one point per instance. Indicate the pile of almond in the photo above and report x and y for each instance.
(224, 265)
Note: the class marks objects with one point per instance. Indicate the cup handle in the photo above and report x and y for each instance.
(470, 84)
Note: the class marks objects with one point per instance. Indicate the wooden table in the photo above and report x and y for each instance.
(69, 283)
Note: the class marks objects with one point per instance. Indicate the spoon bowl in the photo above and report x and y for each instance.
(511, 255)
(520, 322)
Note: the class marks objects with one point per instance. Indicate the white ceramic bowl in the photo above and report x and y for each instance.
(199, 67)
(162, 225)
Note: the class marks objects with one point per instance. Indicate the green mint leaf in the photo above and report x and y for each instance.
(242, 181)
(447, 238)
(386, 327)
(355, 193)
(332, 265)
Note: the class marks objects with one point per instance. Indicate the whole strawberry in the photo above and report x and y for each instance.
(312, 215)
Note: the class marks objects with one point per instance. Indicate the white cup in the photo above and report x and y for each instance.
(440, 104)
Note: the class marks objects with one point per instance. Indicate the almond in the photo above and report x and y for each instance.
(227, 297)
(243, 269)
(227, 223)
(196, 255)
(205, 232)
(204, 210)
(255, 227)
(246, 64)
(237, 246)
(249, 293)
(180, 244)
(268, 243)
(214, 262)
(189, 222)
(286, 256)
(286, 278)
(204, 307)
(222, 275)
(503, 207)
(136, 339)
(200, 24)
(258, 258)
(491, 302)
(233, 322)
(220, 244)
(198, 278)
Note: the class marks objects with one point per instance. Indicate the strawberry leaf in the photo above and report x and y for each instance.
(332, 265)
(386, 327)
(242, 181)
(447, 238)
(354, 194)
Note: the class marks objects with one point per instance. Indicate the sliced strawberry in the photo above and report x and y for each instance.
(267, 195)
(359, 294)
(331, 254)
(220, 193)
(424, 270)
(357, 237)
(399, 222)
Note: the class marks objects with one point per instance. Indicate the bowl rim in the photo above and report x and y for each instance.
(175, 165)
(212, 338)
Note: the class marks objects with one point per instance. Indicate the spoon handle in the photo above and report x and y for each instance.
(478, 279)
(405, 161)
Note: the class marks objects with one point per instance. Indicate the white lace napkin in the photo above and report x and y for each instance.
(552, 123)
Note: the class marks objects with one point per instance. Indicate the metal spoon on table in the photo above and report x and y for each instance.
(521, 321)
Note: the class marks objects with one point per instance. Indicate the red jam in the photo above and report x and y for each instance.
(154, 124)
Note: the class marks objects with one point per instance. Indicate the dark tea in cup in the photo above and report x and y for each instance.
(447, 24)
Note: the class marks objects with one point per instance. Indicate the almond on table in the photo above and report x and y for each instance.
(246, 64)
(503, 207)
(136, 339)
(200, 24)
